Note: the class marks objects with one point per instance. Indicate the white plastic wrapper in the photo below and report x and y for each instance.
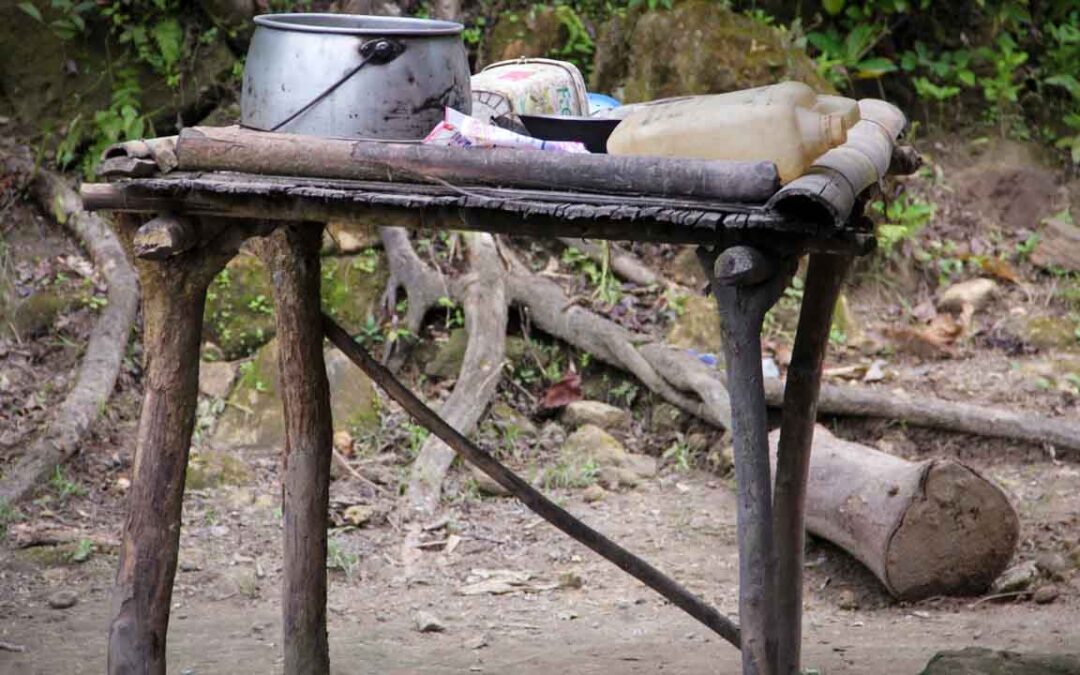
(461, 131)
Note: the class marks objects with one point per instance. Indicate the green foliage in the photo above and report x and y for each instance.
(608, 289)
(570, 474)
(8, 514)
(847, 58)
(902, 219)
(337, 558)
(63, 486)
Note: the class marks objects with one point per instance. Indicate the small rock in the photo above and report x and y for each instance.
(359, 514)
(343, 442)
(666, 417)
(769, 369)
(1074, 555)
(352, 237)
(974, 292)
(216, 378)
(847, 599)
(697, 442)
(1053, 565)
(486, 484)
(721, 456)
(590, 442)
(605, 416)
(594, 493)
(63, 599)
(1016, 578)
(876, 371)
(122, 484)
(478, 642)
(426, 622)
(1044, 595)
(566, 615)
(552, 435)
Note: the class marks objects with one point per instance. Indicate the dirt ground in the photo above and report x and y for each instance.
(566, 610)
(225, 617)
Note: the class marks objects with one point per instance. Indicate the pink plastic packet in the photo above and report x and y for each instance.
(461, 131)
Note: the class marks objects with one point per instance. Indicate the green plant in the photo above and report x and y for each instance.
(902, 219)
(1003, 88)
(367, 261)
(455, 316)
(83, 551)
(63, 486)
(624, 393)
(416, 437)
(599, 275)
(678, 453)
(570, 474)
(842, 60)
(338, 559)
(261, 305)
(8, 514)
(370, 333)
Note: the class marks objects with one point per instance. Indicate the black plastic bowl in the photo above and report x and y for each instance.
(592, 131)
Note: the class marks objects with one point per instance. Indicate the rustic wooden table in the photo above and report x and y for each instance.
(181, 228)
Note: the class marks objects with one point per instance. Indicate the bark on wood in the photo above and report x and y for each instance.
(174, 296)
(237, 149)
(166, 236)
(104, 350)
(742, 310)
(291, 255)
(823, 280)
(423, 285)
(928, 528)
(552, 311)
(539, 213)
(625, 265)
(1060, 434)
(485, 307)
(538, 503)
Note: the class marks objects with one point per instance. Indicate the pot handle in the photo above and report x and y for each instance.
(381, 51)
(377, 52)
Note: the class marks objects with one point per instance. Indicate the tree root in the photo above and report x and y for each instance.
(104, 351)
(423, 285)
(484, 298)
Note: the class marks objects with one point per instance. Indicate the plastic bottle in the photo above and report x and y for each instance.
(703, 127)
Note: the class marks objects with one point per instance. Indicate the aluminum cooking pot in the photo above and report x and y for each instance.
(351, 76)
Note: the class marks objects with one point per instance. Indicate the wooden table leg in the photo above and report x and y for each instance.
(746, 284)
(823, 280)
(173, 297)
(291, 254)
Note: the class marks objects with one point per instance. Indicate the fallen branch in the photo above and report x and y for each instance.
(936, 413)
(484, 301)
(105, 348)
(625, 265)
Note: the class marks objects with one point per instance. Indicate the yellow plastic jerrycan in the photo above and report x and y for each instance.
(786, 123)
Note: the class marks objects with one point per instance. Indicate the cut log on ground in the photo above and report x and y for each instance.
(104, 350)
(923, 528)
(484, 301)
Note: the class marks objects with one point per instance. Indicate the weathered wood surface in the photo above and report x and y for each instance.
(499, 210)
(291, 255)
(923, 528)
(238, 149)
(742, 310)
(823, 280)
(530, 496)
(173, 299)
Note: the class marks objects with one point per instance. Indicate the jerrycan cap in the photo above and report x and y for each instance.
(834, 128)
